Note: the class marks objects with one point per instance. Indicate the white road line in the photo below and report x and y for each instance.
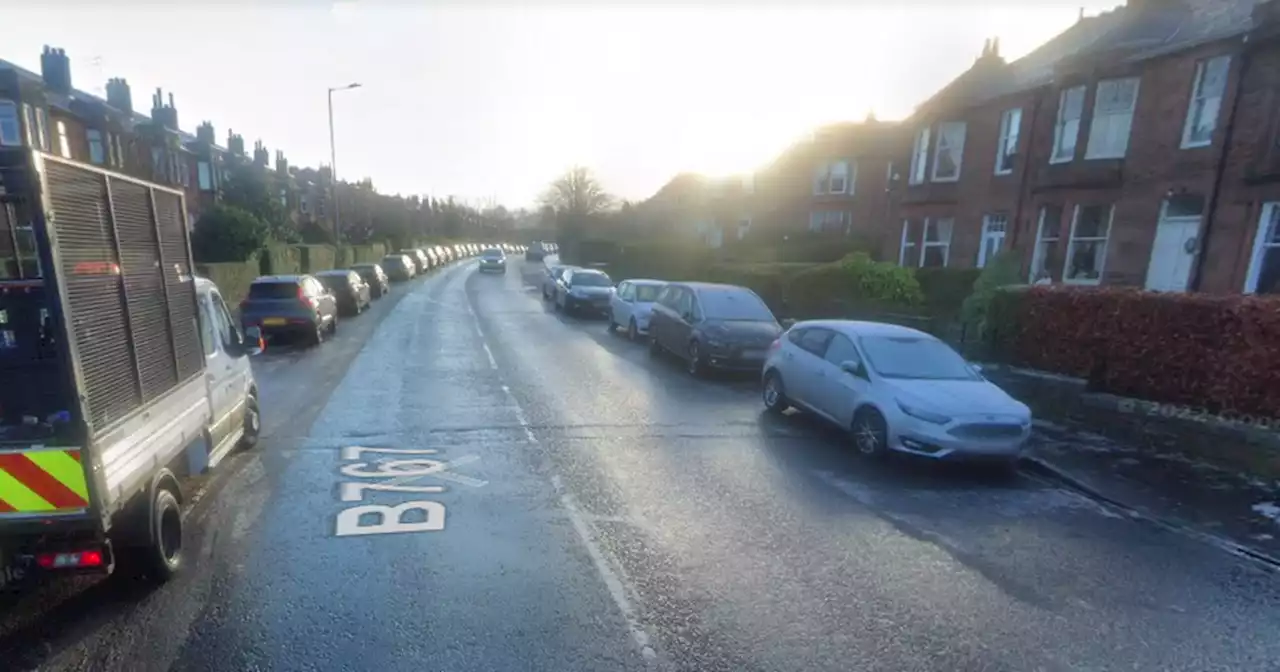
(619, 587)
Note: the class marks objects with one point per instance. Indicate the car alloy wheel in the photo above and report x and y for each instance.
(774, 393)
(869, 432)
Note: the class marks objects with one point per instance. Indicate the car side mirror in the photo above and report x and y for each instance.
(253, 343)
(853, 368)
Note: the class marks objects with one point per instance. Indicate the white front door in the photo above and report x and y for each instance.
(1173, 254)
(993, 230)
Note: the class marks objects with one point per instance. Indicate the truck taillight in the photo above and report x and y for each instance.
(90, 558)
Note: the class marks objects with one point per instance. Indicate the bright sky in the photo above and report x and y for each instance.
(485, 101)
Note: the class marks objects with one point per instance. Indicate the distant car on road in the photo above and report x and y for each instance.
(632, 304)
(583, 291)
(399, 267)
(375, 277)
(712, 326)
(351, 291)
(493, 259)
(290, 305)
(535, 252)
(421, 264)
(895, 389)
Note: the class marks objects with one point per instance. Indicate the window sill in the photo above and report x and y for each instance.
(1103, 157)
(1004, 172)
(1084, 283)
(945, 180)
(1060, 160)
(1195, 145)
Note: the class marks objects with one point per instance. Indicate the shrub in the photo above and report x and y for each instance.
(855, 280)
(1002, 271)
(227, 233)
(945, 289)
(1218, 353)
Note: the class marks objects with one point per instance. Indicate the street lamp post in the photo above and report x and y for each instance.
(333, 170)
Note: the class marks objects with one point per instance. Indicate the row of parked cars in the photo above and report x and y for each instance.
(309, 305)
(893, 388)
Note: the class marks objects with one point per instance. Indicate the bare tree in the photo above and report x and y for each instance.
(577, 193)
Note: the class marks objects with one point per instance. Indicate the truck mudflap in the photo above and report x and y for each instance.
(42, 482)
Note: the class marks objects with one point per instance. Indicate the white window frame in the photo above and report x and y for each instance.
(1007, 146)
(828, 172)
(988, 222)
(818, 220)
(953, 144)
(1202, 100)
(42, 129)
(1065, 127)
(944, 244)
(9, 110)
(744, 226)
(1268, 221)
(64, 140)
(1071, 248)
(204, 175)
(1038, 255)
(94, 138)
(1109, 130)
(907, 243)
(919, 157)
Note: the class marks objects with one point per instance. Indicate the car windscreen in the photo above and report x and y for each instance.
(273, 290)
(493, 254)
(648, 293)
(915, 357)
(591, 280)
(734, 304)
(393, 261)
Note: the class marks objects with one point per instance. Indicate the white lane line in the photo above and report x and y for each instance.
(620, 588)
(475, 321)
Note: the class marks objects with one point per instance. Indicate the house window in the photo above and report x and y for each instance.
(117, 155)
(1087, 251)
(1112, 118)
(1047, 253)
(920, 156)
(42, 129)
(936, 250)
(907, 247)
(744, 225)
(949, 151)
(64, 142)
(1067, 128)
(994, 228)
(157, 162)
(1264, 267)
(1206, 100)
(829, 221)
(1007, 147)
(97, 151)
(184, 170)
(10, 128)
(204, 175)
(832, 178)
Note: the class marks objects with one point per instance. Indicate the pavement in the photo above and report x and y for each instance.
(467, 480)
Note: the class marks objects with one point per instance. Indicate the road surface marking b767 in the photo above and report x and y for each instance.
(398, 474)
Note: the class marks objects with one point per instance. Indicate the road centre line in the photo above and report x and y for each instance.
(616, 582)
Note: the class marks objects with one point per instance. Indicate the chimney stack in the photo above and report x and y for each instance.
(204, 133)
(282, 164)
(119, 96)
(55, 69)
(260, 154)
(235, 143)
(165, 115)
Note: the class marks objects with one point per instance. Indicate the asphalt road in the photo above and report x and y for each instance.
(588, 508)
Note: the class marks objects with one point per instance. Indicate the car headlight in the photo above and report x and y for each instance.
(921, 414)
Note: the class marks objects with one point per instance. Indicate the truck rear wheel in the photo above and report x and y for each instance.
(158, 556)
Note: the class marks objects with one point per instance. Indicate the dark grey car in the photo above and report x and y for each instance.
(712, 326)
(293, 305)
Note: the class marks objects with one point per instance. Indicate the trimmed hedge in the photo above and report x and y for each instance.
(945, 289)
(1216, 353)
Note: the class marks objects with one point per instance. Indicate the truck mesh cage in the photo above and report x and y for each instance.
(123, 258)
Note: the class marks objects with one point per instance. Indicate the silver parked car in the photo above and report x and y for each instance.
(896, 389)
(632, 304)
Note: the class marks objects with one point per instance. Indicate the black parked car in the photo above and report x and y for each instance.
(293, 305)
(712, 326)
(583, 291)
(351, 291)
(376, 278)
(399, 267)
